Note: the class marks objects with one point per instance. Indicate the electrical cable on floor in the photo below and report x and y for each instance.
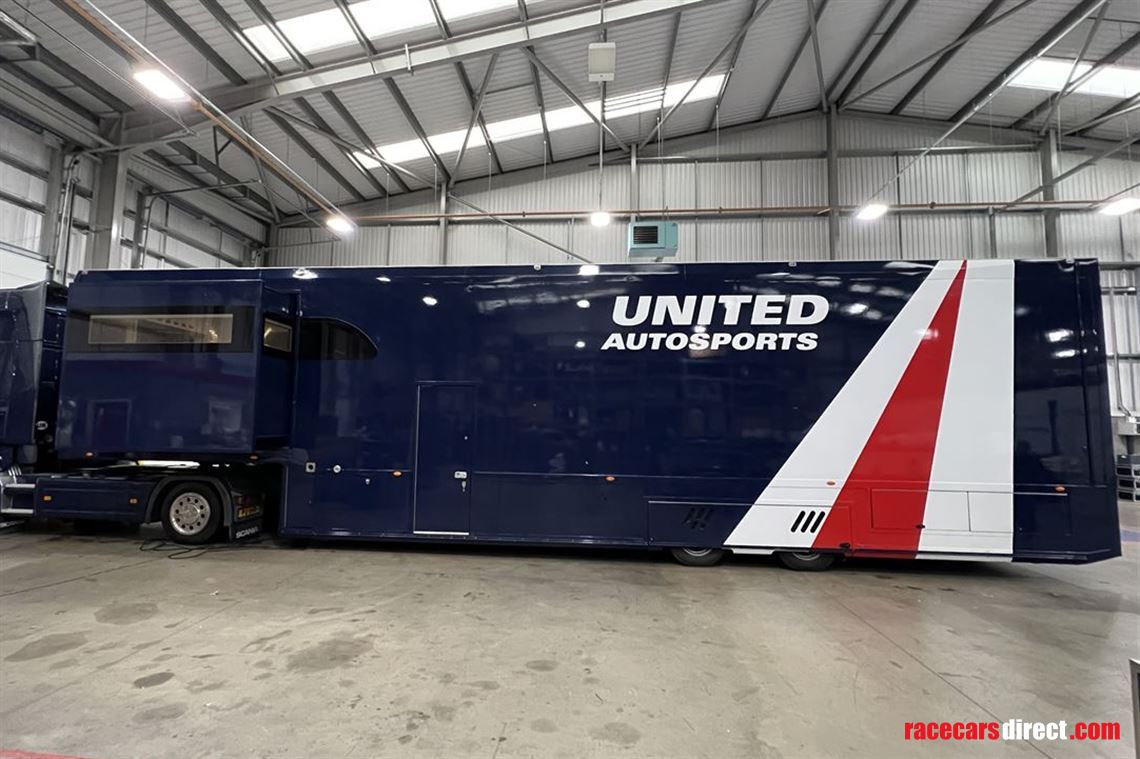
(179, 551)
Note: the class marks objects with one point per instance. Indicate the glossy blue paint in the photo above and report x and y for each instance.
(562, 440)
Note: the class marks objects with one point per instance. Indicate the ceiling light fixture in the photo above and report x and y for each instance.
(1120, 206)
(871, 211)
(341, 225)
(159, 84)
(600, 218)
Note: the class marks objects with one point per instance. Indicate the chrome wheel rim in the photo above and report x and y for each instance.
(696, 552)
(807, 556)
(190, 513)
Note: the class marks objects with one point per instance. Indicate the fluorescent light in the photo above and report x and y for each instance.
(557, 119)
(327, 29)
(159, 84)
(583, 303)
(600, 218)
(1121, 206)
(340, 224)
(871, 211)
(1052, 73)
(430, 300)
(588, 270)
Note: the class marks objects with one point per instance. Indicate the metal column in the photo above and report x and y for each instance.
(443, 225)
(53, 205)
(1049, 169)
(107, 214)
(832, 188)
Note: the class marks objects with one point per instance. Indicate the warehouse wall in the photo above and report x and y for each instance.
(718, 177)
(177, 237)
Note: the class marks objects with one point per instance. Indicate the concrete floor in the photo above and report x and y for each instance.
(108, 652)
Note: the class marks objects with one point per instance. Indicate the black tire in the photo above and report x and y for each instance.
(191, 513)
(807, 561)
(698, 557)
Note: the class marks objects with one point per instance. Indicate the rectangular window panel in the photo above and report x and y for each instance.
(160, 329)
(277, 336)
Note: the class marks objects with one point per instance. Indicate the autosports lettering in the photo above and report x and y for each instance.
(700, 312)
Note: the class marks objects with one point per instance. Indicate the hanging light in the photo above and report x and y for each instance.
(871, 211)
(600, 218)
(159, 84)
(341, 225)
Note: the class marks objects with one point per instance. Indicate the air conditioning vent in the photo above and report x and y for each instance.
(652, 239)
(645, 234)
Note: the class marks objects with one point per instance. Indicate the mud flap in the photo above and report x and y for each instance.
(248, 514)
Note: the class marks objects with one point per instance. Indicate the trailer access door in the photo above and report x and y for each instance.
(445, 429)
(175, 368)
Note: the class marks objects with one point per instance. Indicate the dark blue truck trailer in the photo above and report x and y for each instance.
(954, 409)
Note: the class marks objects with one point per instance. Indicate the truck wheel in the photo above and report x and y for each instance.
(807, 561)
(191, 513)
(698, 557)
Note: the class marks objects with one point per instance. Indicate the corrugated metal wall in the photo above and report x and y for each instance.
(176, 238)
(726, 172)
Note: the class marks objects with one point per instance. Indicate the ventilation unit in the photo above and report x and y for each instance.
(652, 239)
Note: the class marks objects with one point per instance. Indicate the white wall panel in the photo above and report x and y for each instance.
(1089, 235)
(938, 236)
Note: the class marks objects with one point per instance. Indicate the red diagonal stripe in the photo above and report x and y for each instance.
(900, 451)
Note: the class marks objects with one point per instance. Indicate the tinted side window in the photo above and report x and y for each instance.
(329, 339)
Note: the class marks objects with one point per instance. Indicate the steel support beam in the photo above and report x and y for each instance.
(315, 154)
(81, 80)
(1073, 69)
(103, 251)
(813, 26)
(1118, 52)
(574, 98)
(1087, 163)
(53, 195)
(795, 59)
(465, 83)
(46, 91)
(928, 76)
(417, 127)
(259, 95)
(222, 176)
(186, 32)
(850, 100)
(832, 187)
(879, 18)
(1049, 170)
(727, 75)
(476, 116)
(877, 50)
(740, 34)
(1120, 109)
(1056, 33)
